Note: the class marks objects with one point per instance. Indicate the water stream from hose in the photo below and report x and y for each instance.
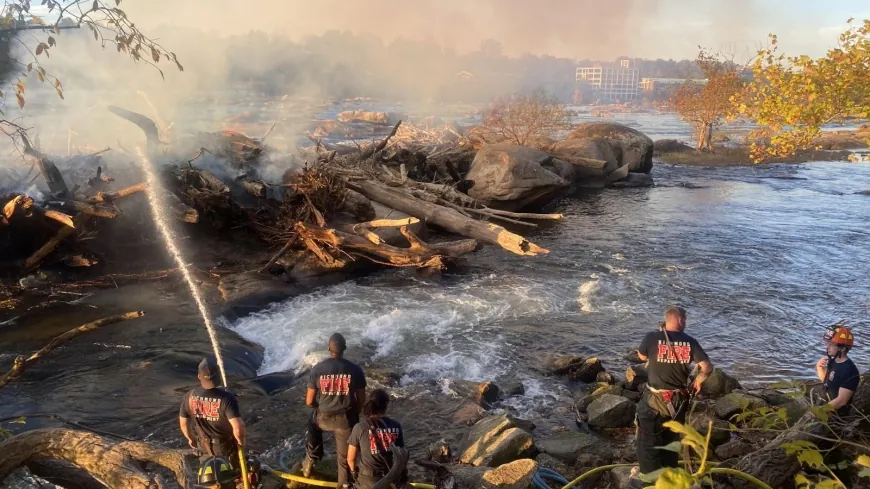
(158, 210)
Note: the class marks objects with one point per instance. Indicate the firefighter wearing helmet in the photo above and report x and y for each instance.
(836, 370)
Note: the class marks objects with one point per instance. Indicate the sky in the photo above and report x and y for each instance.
(578, 29)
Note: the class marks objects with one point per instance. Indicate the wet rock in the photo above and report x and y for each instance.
(719, 384)
(439, 451)
(795, 410)
(512, 444)
(576, 368)
(583, 403)
(550, 462)
(498, 438)
(511, 389)
(605, 377)
(487, 393)
(251, 291)
(671, 146)
(514, 475)
(620, 477)
(721, 429)
(466, 476)
(775, 397)
(733, 449)
(635, 377)
(632, 357)
(609, 411)
(513, 177)
(632, 396)
(384, 376)
(735, 402)
(569, 446)
(634, 180)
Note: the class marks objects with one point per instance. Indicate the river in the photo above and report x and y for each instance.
(762, 257)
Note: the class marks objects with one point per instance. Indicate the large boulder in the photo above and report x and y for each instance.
(718, 384)
(617, 144)
(636, 376)
(721, 429)
(609, 411)
(514, 177)
(734, 403)
(620, 478)
(733, 449)
(634, 180)
(570, 447)
(583, 403)
(671, 146)
(495, 440)
(514, 475)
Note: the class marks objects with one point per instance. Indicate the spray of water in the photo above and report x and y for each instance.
(159, 213)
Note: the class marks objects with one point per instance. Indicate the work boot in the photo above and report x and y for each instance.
(307, 466)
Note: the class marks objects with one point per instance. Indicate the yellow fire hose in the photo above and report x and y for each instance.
(315, 482)
(243, 461)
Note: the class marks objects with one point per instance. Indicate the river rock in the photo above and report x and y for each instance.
(631, 357)
(250, 291)
(735, 402)
(514, 475)
(634, 180)
(577, 368)
(511, 389)
(568, 446)
(487, 393)
(671, 146)
(510, 176)
(609, 411)
(721, 429)
(775, 397)
(733, 449)
(439, 451)
(497, 439)
(606, 378)
(583, 403)
(635, 377)
(620, 478)
(550, 462)
(627, 145)
(718, 384)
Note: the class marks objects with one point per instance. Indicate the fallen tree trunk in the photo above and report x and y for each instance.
(420, 254)
(117, 464)
(89, 209)
(21, 363)
(118, 194)
(447, 218)
(42, 253)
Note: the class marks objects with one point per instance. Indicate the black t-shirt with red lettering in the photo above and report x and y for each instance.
(373, 439)
(211, 410)
(669, 368)
(336, 381)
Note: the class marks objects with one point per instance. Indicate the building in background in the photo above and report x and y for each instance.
(617, 83)
(665, 85)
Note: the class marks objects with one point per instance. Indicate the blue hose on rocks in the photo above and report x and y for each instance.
(544, 473)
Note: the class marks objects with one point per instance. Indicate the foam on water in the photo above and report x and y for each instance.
(586, 292)
(435, 330)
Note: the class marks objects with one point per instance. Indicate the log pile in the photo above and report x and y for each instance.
(416, 170)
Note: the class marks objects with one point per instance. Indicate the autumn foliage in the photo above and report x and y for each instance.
(523, 119)
(791, 98)
(708, 106)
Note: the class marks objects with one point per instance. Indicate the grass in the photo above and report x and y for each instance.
(739, 156)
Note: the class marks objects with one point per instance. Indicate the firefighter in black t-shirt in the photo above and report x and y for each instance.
(337, 392)
(215, 413)
(837, 370)
(371, 440)
(670, 351)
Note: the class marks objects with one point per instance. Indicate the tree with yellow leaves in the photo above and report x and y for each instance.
(791, 98)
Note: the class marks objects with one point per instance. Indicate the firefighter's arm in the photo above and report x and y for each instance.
(310, 397)
(706, 368)
(184, 424)
(843, 397)
(642, 357)
(360, 399)
(239, 431)
(351, 458)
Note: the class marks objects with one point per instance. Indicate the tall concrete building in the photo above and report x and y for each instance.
(613, 84)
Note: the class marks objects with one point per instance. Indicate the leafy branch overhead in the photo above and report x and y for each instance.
(792, 97)
(106, 21)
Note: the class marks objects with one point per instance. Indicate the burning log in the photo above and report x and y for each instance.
(257, 188)
(42, 253)
(19, 201)
(180, 210)
(88, 209)
(420, 254)
(118, 194)
(21, 363)
(60, 217)
(56, 184)
(447, 218)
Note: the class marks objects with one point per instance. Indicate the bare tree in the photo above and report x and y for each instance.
(522, 118)
(708, 105)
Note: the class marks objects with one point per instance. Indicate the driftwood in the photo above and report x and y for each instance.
(127, 464)
(280, 253)
(118, 194)
(420, 254)
(88, 209)
(21, 363)
(447, 218)
(364, 229)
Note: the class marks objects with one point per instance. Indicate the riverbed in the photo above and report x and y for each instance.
(762, 257)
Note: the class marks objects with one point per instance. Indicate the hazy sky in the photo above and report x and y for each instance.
(602, 29)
